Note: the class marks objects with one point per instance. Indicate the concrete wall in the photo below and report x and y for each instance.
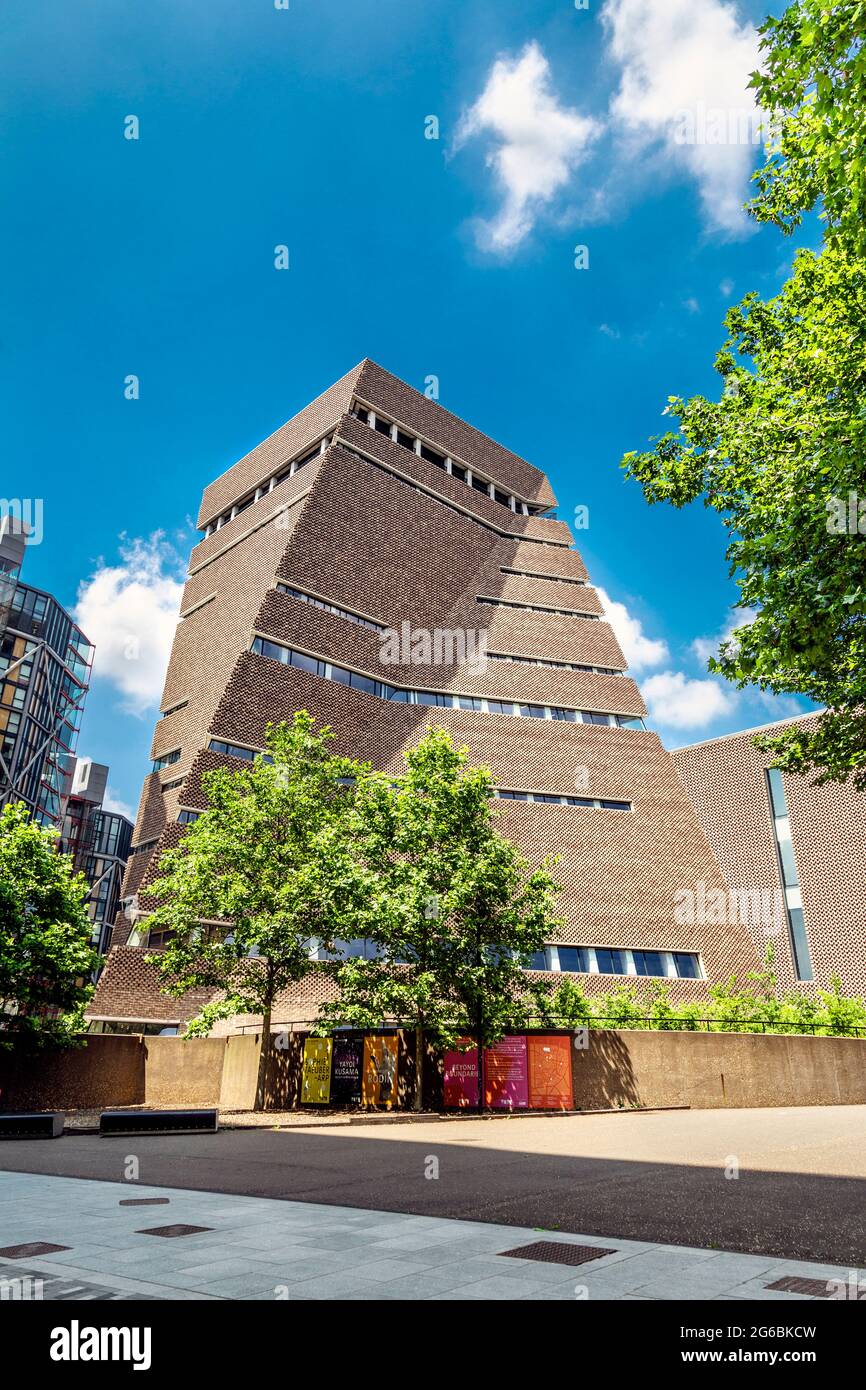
(106, 1071)
(179, 1072)
(717, 1070)
(618, 1069)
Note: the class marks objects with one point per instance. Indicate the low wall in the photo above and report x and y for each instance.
(717, 1070)
(618, 1069)
(106, 1071)
(179, 1072)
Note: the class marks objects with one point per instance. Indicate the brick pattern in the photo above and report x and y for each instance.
(267, 458)
(726, 780)
(400, 402)
(385, 548)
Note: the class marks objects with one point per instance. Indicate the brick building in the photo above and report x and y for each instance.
(375, 508)
(772, 832)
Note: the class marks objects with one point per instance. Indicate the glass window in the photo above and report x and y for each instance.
(687, 965)
(532, 711)
(789, 863)
(406, 440)
(468, 702)
(502, 497)
(574, 958)
(628, 721)
(610, 962)
(458, 472)
(480, 485)
(800, 944)
(383, 426)
(539, 961)
(777, 792)
(590, 717)
(616, 805)
(432, 457)
(306, 663)
(648, 962)
(500, 707)
(569, 715)
(359, 682)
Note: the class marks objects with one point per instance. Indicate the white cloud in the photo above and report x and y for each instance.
(726, 287)
(705, 647)
(676, 701)
(538, 143)
(639, 650)
(113, 803)
(129, 612)
(692, 305)
(684, 69)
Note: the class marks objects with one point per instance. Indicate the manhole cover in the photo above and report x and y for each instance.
(558, 1252)
(178, 1230)
(816, 1288)
(32, 1249)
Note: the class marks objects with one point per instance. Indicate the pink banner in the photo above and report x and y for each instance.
(461, 1076)
(506, 1075)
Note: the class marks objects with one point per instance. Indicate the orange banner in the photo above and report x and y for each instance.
(379, 1083)
(550, 1086)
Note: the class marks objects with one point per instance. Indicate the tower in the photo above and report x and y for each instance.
(384, 565)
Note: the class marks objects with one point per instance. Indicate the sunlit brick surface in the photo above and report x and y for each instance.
(726, 781)
(375, 529)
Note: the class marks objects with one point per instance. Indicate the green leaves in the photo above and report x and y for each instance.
(453, 910)
(779, 459)
(45, 953)
(265, 874)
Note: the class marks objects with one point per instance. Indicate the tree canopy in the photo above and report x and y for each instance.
(46, 956)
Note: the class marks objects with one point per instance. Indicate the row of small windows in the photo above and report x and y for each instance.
(166, 760)
(455, 470)
(597, 960)
(186, 817)
(332, 608)
(536, 574)
(173, 709)
(441, 502)
(288, 471)
(555, 665)
(536, 608)
(317, 667)
(551, 797)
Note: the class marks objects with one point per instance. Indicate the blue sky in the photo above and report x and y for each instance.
(452, 257)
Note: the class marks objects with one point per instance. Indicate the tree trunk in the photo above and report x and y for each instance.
(264, 1059)
(419, 1066)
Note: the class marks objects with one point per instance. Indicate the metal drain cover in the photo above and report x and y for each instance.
(558, 1252)
(816, 1288)
(177, 1230)
(31, 1250)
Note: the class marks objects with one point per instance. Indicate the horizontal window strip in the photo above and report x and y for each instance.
(454, 468)
(556, 665)
(552, 798)
(318, 666)
(246, 500)
(536, 608)
(618, 960)
(166, 760)
(238, 750)
(331, 608)
(537, 574)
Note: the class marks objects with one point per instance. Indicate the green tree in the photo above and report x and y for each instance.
(45, 953)
(780, 456)
(811, 84)
(263, 874)
(454, 912)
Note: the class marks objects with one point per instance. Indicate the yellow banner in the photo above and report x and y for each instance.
(316, 1080)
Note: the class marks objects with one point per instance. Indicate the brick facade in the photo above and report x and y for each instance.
(726, 780)
(375, 529)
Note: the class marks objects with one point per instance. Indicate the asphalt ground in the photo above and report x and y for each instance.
(785, 1182)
